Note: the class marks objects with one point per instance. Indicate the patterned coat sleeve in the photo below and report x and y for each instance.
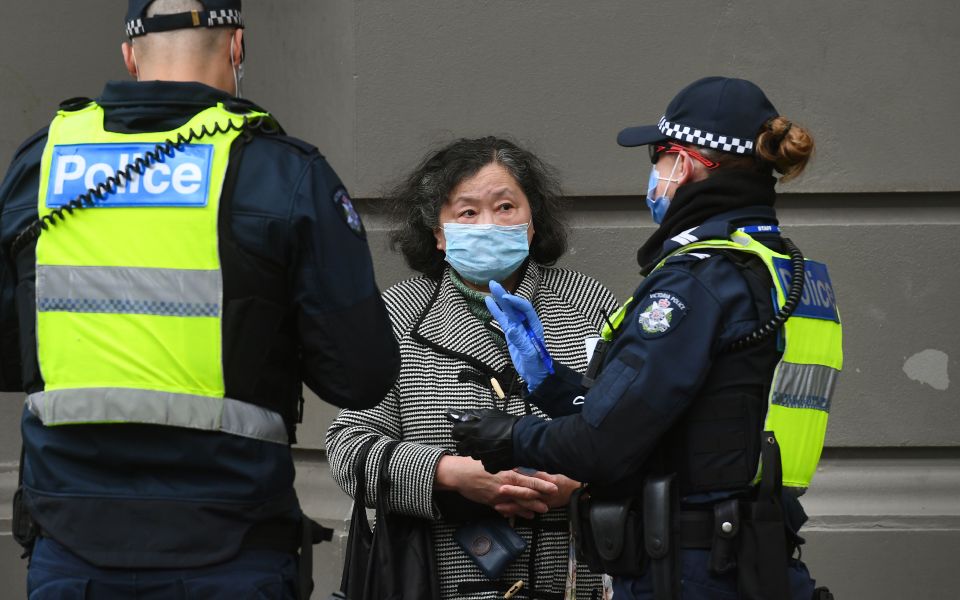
(413, 466)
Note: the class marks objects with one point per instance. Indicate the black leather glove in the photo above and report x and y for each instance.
(486, 435)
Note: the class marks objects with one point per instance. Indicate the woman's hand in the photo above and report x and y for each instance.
(510, 493)
(565, 487)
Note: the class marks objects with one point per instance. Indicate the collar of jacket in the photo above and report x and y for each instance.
(447, 325)
(711, 209)
(720, 227)
(145, 93)
(138, 106)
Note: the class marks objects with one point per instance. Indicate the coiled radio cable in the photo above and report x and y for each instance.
(138, 167)
(797, 280)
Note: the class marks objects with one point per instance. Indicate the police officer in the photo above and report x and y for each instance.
(722, 362)
(181, 267)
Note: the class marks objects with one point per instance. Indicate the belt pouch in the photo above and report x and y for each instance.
(762, 554)
(579, 511)
(726, 528)
(491, 543)
(762, 548)
(617, 530)
(660, 541)
(608, 534)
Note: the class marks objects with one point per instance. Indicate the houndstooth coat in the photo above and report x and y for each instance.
(448, 357)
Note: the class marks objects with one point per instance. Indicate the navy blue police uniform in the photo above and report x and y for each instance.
(678, 398)
(671, 397)
(136, 509)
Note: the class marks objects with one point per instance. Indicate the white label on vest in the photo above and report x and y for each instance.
(181, 180)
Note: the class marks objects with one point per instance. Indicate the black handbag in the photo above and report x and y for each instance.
(394, 561)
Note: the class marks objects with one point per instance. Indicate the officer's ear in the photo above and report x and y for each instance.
(687, 169)
(237, 49)
(130, 59)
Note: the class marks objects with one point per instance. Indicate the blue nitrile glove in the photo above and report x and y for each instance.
(524, 334)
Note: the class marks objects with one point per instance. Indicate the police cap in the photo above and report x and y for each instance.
(714, 112)
(215, 13)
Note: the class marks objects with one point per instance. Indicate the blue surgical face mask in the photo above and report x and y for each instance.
(479, 253)
(659, 204)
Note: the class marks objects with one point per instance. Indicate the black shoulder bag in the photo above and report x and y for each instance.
(395, 561)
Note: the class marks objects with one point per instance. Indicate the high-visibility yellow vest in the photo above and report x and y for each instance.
(803, 382)
(130, 293)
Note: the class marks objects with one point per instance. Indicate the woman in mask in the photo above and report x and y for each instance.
(476, 210)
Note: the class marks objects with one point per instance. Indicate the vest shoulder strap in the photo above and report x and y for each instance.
(75, 103)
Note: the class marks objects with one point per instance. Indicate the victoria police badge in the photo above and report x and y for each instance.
(663, 311)
(349, 214)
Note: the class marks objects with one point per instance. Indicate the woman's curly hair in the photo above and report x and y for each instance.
(417, 200)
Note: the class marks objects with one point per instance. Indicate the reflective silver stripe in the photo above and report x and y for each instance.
(124, 405)
(804, 386)
(129, 290)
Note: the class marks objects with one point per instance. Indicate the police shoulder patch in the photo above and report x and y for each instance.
(660, 313)
(347, 212)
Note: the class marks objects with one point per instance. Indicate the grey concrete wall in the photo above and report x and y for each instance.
(376, 83)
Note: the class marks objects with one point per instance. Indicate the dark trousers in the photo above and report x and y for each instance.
(698, 584)
(58, 574)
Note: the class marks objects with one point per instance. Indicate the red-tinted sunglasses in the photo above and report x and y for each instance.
(658, 150)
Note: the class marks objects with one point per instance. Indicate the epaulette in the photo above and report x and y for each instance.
(30, 141)
(242, 106)
(687, 257)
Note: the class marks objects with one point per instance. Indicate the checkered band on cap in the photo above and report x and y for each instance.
(227, 16)
(135, 28)
(692, 135)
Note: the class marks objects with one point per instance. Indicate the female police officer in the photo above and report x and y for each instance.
(724, 360)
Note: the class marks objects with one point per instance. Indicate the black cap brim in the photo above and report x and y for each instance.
(640, 136)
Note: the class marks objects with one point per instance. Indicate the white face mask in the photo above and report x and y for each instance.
(237, 70)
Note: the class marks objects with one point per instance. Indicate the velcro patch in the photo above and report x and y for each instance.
(181, 180)
(660, 313)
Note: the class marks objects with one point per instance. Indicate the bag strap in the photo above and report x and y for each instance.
(382, 531)
(359, 469)
(383, 485)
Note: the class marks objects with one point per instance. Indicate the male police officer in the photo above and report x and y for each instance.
(167, 323)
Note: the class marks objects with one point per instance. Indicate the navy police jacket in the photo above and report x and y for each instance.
(305, 309)
(654, 405)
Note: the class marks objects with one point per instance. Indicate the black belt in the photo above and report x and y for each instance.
(695, 528)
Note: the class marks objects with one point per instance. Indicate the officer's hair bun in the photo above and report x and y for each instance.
(786, 146)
